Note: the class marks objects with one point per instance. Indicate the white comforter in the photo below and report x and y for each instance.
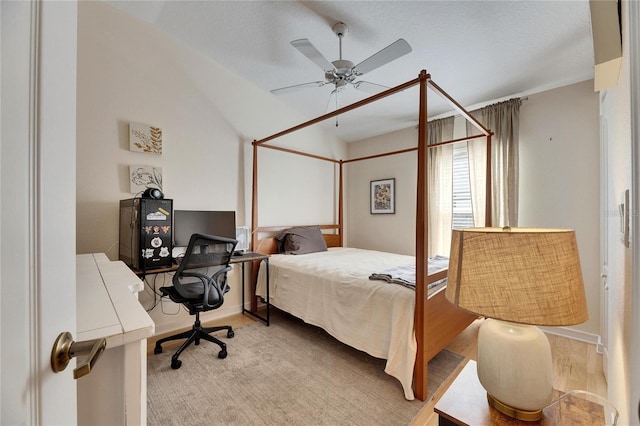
(332, 290)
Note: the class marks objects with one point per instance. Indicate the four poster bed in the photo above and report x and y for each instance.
(331, 287)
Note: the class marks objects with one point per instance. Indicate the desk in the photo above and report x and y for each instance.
(115, 392)
(465, 404)
(241, 260)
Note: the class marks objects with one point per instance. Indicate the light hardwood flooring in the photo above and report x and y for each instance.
(577, 365)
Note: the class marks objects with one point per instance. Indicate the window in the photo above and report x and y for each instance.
(462, 207)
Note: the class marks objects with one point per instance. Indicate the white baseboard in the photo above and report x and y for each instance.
(574, 334)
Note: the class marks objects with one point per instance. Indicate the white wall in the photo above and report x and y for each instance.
(559, 175)
(129, 71)
(385, 232)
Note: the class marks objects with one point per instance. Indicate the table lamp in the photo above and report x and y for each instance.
(517, 278)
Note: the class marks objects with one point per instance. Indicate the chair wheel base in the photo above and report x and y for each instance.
(194, 336)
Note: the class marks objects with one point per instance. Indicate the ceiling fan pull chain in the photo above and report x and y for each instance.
(337, 99)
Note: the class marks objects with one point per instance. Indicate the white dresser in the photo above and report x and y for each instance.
(115, 392)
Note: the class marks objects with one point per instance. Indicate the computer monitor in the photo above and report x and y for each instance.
(189, 222)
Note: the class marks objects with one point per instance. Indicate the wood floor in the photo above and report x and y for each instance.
(577, 365)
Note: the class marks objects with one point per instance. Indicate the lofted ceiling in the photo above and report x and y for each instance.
(477, 51)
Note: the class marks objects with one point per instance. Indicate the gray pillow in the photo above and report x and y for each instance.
(301, 240)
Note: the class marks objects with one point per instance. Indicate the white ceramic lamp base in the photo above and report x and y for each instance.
(515, 367)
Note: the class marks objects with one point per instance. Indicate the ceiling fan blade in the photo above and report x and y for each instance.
(307, 49)
(367, 86)
(393, 51)
(334, 100)
(295, 87)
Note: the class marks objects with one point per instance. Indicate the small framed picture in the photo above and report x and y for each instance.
(143, 177)
(145, 138)
(383, 198)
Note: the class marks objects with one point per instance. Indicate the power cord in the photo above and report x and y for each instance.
(153, 288)
(158, 298)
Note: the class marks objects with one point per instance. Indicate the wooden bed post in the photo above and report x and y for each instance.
(254, 225)
(488, 201)
(254, 197)
(340, 205)
(422, 209)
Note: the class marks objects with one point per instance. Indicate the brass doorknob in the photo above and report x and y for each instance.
(65, 348)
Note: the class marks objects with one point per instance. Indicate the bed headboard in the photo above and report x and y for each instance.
(265, 243)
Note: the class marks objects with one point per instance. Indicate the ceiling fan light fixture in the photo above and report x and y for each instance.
(342, 72)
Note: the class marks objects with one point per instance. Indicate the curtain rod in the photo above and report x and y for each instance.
(476, 107)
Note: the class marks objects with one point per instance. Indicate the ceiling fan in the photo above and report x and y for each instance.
(342, 73)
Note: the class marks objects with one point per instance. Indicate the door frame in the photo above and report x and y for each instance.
(603, 339)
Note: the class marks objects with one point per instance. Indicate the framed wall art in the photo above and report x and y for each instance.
(145, 138)
(142, 177)
(383, 198)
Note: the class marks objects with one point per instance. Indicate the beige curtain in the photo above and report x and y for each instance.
(503, 119)
(477, 149)
(440, 186)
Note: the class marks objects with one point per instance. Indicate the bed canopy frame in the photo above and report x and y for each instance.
(429, 342)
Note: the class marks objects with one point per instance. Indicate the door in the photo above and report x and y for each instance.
(634, 59)
(37, 208)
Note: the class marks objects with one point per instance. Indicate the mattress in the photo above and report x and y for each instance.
(332, 290)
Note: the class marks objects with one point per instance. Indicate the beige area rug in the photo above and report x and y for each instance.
(289, 373)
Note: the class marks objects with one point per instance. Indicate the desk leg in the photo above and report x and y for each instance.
(266, 261)
(250, 312)
(443, 421)
(243, 309)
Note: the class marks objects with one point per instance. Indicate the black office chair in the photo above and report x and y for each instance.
(200, 284)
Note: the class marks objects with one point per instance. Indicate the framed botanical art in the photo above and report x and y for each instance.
(145, 138)
(383, 198)
(142, 177)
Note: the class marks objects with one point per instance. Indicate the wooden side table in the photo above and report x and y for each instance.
(465, 404)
